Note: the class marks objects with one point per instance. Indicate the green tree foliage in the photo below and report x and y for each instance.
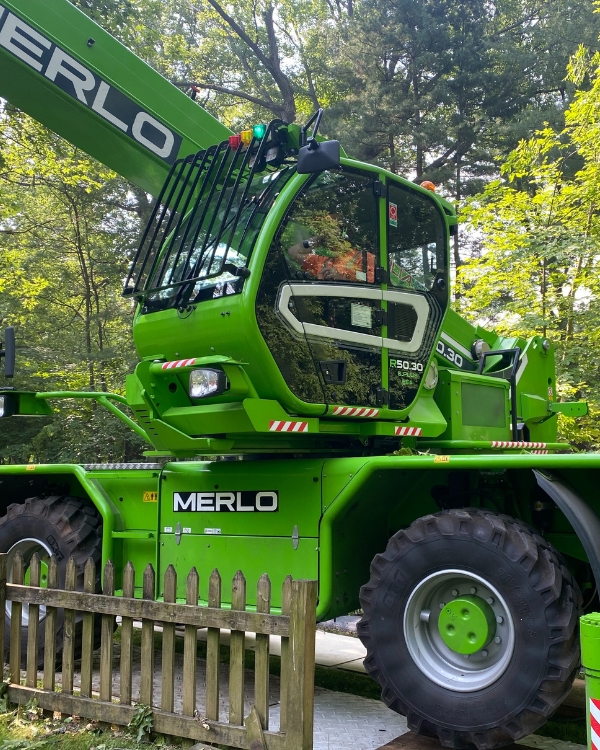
(538, 226)
(438, 88)
(249, 62)
(66, 232)
(256, 60)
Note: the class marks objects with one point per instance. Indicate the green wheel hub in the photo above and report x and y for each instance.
(467, 624)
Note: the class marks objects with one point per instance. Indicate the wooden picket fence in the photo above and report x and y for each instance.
(295, 625)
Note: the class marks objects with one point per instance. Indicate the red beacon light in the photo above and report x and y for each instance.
(235, 141)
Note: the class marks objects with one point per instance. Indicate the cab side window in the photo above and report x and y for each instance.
(416, 240)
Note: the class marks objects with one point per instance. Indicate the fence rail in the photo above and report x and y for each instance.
(78, 609)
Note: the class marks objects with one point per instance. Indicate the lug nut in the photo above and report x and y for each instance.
(454, 592)
(442, 605)
(425, 615)
(467, 656)
(499, 619)
(472, 590)
(484, 652)
(497, 639)
(490, 600)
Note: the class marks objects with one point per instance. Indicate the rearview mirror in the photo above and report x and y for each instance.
(318, 156)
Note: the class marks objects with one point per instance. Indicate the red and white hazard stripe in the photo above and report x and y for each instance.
(412, 431)
(178, 363)
(353, 411)
(280, 426)
(542, 451)
(516, 444)
(595, 723)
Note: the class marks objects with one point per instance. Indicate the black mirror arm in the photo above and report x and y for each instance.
(311, 142)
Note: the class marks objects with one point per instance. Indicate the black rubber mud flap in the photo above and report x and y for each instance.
(582, 518)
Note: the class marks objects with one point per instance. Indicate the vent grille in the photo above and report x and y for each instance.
(402, 321)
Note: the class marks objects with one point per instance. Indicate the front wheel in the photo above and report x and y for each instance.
(470, 625)
(56, 525)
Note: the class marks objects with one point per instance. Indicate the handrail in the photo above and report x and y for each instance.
(104, 399)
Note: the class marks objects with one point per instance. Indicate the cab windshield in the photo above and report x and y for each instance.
(201, 234)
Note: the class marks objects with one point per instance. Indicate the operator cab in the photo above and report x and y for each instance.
(349, 285)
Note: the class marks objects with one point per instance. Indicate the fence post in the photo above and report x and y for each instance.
(106, 636)
(286, 598)
(261, 657)
(147, 665)
(213, 647)
(16, 612)
(190, 647)
(236, 654)
(87, 631)
(50, 635)
(68, 656)
(127, 638)
(33, 622)
(300, 691)
(167, 699)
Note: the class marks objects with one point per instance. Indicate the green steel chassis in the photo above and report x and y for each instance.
(334, 514)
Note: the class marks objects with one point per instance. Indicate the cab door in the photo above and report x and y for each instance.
(331, 296)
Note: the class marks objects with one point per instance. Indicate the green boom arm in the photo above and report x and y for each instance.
(71, 75)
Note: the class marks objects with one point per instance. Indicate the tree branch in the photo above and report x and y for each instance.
(241, 33)
(224, 90)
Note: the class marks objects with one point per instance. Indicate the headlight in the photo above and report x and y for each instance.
(431, 379)
(205, 383)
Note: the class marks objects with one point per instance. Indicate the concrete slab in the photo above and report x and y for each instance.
(345, 721)
(341, 720)
(356, 665)
(331, 649)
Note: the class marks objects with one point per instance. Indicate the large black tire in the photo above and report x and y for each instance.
(505, 699)
(57, 525)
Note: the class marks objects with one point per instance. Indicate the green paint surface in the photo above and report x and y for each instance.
(467, 624)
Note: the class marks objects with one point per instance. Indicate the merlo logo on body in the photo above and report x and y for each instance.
(226, 502)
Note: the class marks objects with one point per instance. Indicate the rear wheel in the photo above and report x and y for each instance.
(56, 525)
(470, 624)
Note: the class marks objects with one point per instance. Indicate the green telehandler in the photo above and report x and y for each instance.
(312, 404)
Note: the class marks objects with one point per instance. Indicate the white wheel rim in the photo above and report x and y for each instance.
(27, 547)
(432, 656)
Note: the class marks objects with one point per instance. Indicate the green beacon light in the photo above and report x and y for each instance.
(258, 131)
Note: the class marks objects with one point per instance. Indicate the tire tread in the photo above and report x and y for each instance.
(548, 576)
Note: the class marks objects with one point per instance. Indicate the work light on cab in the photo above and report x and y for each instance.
(8, 405)
(207, 382)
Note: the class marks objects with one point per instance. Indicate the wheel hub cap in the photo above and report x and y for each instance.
(460, 652)
(467, 624)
